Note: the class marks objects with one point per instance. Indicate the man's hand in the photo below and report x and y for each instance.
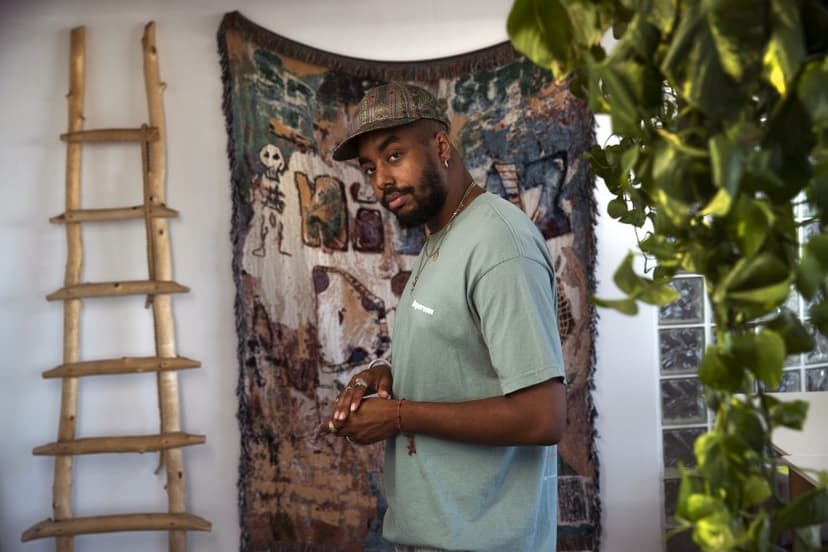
(377, 380)
(376, 420)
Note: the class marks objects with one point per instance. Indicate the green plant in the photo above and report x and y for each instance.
(721, 110)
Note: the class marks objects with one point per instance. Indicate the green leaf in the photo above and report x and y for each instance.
(720, 371)
(658, 245)
(756, 285)
(812, 90)
(727, 163)
(673, 214)
(763, 354)
(745, 423)
(808, 509)
(786, 47)
(750, 223)
(818, 313)
(658, 293)
(624, 306)
(692, 64)
(606, 166)
(760, 532)
(662, 14)
(625, 277)
(700, 506)
(790, 414)
(738, 29)
(543, 32)
(755, 490)
(688, 486)
(628, 159)
(617, 79)
(790, 145)
(617, 207)
(793, 332)
(813, 266)
(638, 287)
(760, 271)
(818, 191)
(719, 206)
(554, 33)
(715, 533)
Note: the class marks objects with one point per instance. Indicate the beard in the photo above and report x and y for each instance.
(429, 199)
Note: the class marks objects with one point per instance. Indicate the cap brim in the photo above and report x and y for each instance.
(348, 148)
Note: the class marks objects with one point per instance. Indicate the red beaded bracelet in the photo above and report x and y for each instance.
(399, 415)
(412, 447)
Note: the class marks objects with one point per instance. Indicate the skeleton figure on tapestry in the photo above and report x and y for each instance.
(270, 199)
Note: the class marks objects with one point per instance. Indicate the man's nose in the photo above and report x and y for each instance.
(382, 179)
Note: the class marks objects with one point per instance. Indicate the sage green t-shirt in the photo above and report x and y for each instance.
(481, 322)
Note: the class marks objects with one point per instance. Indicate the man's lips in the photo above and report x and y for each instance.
(394, 200)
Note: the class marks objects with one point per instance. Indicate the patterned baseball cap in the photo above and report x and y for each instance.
(385, 106)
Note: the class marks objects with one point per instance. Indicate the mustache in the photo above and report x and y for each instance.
(391, 190)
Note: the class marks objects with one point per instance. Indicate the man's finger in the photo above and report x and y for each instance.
(356, 397)
(384, 387)
(329, 427)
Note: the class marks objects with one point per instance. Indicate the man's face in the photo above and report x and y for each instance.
(403, 171)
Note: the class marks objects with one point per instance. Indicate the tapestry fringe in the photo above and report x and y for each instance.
(425, 70)
(243, 412)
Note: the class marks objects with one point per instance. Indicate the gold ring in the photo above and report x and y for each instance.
(331, 426)
(359, 382)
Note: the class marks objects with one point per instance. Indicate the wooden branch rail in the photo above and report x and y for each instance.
(62, 486)
(125, 365)
(117, 213)
(117, 289)
(125, 444)
(112, 524)
(143, 134)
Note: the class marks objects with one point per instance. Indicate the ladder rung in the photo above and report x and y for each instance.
(117, 289)
(125, 365)
(113, 524)
(127, 443)
(144, 134)
(118, 213)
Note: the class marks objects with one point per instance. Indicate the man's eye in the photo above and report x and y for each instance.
(368, 171)
(394, 156)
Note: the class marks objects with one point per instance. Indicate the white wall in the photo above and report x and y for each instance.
(34, 43)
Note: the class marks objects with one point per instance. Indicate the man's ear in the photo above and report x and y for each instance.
(443, 144)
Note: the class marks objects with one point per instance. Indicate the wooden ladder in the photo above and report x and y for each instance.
(63, 525)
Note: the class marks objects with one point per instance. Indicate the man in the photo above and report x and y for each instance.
(475, 397)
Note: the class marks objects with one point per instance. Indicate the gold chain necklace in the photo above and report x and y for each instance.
(436, 253)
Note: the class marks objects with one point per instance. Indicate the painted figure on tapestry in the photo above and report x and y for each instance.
(269, 200)
(323, 271)
(472, 401)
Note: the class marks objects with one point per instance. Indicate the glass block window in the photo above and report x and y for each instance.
(817, 379)
(680, 349)
(678, 446)
(684, 329)
(689, 308)
(682, 401)
(807, 372)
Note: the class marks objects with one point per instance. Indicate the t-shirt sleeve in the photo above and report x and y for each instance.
(516, 302)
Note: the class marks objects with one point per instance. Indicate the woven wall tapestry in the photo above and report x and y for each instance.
(319, 267)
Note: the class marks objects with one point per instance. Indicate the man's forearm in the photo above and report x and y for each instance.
(531, 416)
